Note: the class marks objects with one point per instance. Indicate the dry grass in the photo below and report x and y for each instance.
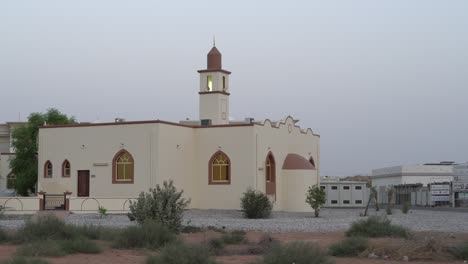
(419, 247)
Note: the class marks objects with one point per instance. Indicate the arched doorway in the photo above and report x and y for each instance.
(270, 175)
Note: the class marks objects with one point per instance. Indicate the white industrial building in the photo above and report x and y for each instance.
(345, 193)
(412, 183)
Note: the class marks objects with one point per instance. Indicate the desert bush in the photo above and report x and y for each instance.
(80, 245)
(375, 226)
(405, 208)
(22, 260)
(163, 204)
(4, 237)
(190, 229)
(178, 253)
(351, 246)
(234, 237)
(43, 228)
(95, 232)
(58, 248)
(215, 245)
(150, 234)
(265, 244)
(256, 204)
(46, 248)
(217, 229)
(460, 251)
(296, 252)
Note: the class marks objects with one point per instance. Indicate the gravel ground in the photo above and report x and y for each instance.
(330, 220)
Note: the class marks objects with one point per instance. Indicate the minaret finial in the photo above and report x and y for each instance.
(214, 41)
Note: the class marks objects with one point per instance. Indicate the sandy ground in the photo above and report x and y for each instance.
(324, 240)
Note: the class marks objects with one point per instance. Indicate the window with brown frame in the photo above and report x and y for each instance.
(123, 167)
(48, 169)
(269, 169)
(66, 171)
(219, 169)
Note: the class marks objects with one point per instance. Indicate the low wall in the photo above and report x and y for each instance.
(91, 204)
(20, 205)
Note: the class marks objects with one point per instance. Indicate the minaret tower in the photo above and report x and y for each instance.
(214, 91)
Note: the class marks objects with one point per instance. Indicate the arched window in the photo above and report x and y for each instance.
(311, 160)
(270, 168)
(66, 171)
(11, 181)
(122, 167)
(219, 169)
(48, 170)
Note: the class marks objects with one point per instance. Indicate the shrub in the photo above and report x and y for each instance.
(2, 211)
(58, 248)
(405, 208)
(234, 237)
(43, 228)
(163, 204)
(150, 234)
(265, 244)
(351, 246)
(178, 253)
(191, 229)
(217, 229)
(4, 237)
(216, 245)
(21, 260)
(316, 198)
(375, 226)
(79, 246)
(460, 251)
(46, 248)
(256, 204)
(102, 211)
(296, 252)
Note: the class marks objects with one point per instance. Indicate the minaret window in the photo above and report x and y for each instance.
(224, 83)
(209, 83)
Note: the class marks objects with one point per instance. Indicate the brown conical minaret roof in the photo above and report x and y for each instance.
(214, 59)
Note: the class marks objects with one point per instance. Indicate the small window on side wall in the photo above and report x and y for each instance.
(358, 187)
(334, 201)
(358, 202)
(345, 201)
(334, 187)
(48, 169)
(66, 169)
(345, 187)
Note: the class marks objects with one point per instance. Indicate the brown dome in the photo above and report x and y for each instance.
(296, 162)
(214, 59)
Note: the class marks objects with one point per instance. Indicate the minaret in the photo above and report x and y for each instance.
(214, 91)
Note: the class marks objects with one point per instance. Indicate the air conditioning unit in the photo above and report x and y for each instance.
(206, 122)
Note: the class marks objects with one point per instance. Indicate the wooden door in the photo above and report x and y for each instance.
(83, 183)
(270, 175)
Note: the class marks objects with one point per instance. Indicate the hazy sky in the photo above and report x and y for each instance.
(384, 82)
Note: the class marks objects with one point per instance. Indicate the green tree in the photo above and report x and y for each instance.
(24, 141)
(316, 197)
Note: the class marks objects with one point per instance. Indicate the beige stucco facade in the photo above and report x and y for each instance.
(182, 152)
